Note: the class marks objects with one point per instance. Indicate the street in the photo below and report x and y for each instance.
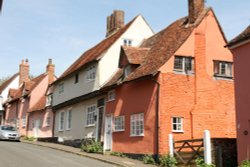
(17, 154)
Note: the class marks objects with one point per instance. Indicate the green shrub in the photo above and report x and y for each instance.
(118, 154)
(148, 159)
(29, 138)
(168, 161)
(245, 163)
(201, 163)
(91, 146)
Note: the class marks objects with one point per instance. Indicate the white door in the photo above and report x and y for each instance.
(108, 133)
(36, 128)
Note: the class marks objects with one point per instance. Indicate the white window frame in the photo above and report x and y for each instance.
(119, 123)
(91, 73)
(137, 125)
(111, 95)
(49, 100)
(61, 88)
(24, 121)
(91, 112)
(177, 126)
(127, 42)
(184, 61)
(61, 121)
(218, 69)
(69, 119)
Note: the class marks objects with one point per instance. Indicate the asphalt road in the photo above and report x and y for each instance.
(16, 154)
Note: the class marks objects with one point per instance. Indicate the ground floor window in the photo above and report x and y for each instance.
(119, 123)
(137, 124)
(61, 121)
(177, 124)
(91, 110)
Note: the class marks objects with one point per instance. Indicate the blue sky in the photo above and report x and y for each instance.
(64, 29)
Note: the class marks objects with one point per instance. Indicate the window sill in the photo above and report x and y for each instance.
(220, 77)
(184, 73)
(91, 125)
(119, 130)
(177, 131)
(61, 130)
(68, 129)
(92, 80)
(142, 135)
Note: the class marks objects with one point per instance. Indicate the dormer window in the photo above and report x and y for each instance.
(127, 70)
(127, 42)
(184, 64)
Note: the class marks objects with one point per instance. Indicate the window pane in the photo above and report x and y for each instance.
(178, 63)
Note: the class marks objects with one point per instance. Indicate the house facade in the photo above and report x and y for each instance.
(240, 47)
(177, 82)
(77, 101)
(29, 94)
(12, 82)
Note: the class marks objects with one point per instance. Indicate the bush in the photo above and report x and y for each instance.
(201, 163)
(118, 154)
(168, 161)
(148, 159)
(29, 138)
(91, 146)
(245, 163)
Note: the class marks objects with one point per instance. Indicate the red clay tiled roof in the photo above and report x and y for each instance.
(95, 52)
(245, 35)
(162, 46)
(27, 87)
(135, 55)
(40, 105)
(7, 82)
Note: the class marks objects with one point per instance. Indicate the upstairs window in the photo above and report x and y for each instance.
(127, 42)
(49, 100)
(76, 78)
(223, 69)
(91, 71)
(184, 64)
(111, 95)
(61, 88)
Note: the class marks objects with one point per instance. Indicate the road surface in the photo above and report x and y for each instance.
(16, 154)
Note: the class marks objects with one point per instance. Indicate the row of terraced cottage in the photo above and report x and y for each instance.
(136, 87)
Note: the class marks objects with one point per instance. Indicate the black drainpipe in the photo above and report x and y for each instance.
(157, 118)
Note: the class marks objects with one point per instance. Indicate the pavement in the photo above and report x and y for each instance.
(114, 160)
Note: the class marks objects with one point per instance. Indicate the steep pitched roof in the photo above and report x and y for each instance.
(95, 52)
(162, 46)
(7, 82)
(243, 36)
(40, 105)
(27, 87)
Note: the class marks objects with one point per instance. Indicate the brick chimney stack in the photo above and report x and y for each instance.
(24, 70)
(50, 71)
(195, 7)
(114, 22)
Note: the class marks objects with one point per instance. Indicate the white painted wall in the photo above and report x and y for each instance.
(79, 128)
(14, 85)
(72, 89)
(137, 32)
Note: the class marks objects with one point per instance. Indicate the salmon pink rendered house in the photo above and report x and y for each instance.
(240, 47)
(27, 98)
(77, 101)
(178, 81)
